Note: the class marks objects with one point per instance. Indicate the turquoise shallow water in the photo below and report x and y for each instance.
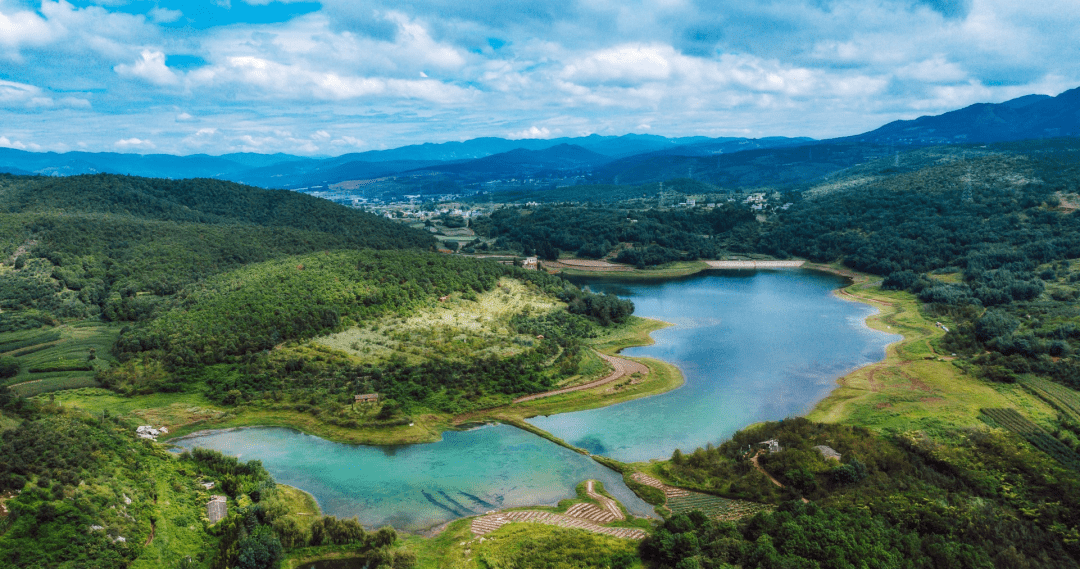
(754, 346)
(414, 487)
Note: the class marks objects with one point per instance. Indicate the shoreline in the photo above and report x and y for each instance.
(428, 427)
(516, 414)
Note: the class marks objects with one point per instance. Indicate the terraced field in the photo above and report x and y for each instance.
(52, 359)
(582, 515)
(1060, 397)
(715, 507)
(681, 501)
(1011, 420)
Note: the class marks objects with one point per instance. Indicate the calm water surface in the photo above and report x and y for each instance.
(415, 487)
(753, 346)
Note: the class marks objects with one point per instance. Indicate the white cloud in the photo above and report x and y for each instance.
(23, 27)
(936, 69)
(627, 64)
(134, 143)
(7, 143)
(531, 132)
(164, 15)
(12, 93)
(299, 81)
(184, 117)
(150, 67)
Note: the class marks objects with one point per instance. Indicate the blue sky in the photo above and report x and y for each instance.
(326, 78)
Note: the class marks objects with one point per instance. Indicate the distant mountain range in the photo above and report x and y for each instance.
(1023, 118)
(632, 158)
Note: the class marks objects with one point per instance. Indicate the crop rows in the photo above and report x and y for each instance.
(714, 507)
(1011, 420)
(1062, 398)
(61, 365)
(12, 345)
(48, 385)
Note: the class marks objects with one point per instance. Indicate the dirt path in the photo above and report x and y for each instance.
(622, 367)
(762, 470)
(754, 460)
(754, 264)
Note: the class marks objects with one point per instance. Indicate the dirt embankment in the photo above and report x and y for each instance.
(623, 367)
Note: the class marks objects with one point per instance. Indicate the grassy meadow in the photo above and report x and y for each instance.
(917, 386)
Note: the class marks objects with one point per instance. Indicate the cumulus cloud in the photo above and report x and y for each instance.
(7, 143)
(438, 70)
(134, 144)
(151, 67)
(531, 132)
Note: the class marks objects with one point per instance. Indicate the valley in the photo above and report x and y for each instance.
(911, 311)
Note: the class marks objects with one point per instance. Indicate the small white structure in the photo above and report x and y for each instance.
(772, 445)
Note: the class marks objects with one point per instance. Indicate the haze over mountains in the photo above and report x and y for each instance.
(631, 158)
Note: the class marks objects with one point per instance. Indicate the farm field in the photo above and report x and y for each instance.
(714, 506)
(65, 357)
(1062, 398)
(1013, 421)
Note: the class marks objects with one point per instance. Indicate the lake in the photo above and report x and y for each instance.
(753, 346)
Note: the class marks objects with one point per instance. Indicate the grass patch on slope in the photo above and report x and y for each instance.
(915, 387)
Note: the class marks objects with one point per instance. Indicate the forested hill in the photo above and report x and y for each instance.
(201, 200)
(114, 245)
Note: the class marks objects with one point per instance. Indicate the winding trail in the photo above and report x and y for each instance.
(622, 367)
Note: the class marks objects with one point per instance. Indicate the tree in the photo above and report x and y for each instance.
(260, 550)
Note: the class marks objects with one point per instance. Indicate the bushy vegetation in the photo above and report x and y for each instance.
(239, 318)
(639, 237)
(901, 501)
(115, 245)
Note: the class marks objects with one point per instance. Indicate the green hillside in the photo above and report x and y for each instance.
(116, 246)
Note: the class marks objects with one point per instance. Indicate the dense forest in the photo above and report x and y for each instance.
(900, 500)
(642, 237)
(238, 317)
(113, 246)
(988, 241)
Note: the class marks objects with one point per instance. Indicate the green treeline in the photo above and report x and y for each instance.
(890, 501)
(259, 306)
(638, 237)
(982, 242)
